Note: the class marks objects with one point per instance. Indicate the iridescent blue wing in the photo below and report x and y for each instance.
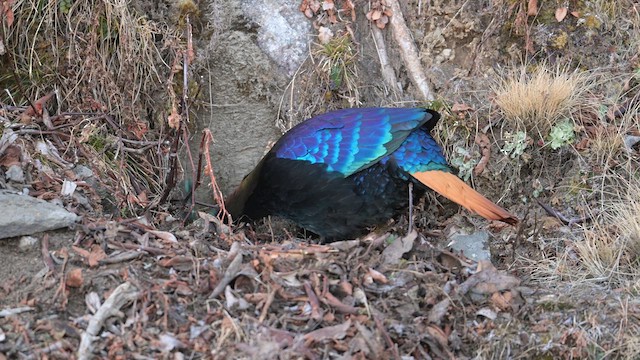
(350, 140)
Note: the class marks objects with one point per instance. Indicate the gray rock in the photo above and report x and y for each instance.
(82, 172)
(28, 243)
(473, 246)
(25, 215)
(283, 32)
(15, 173)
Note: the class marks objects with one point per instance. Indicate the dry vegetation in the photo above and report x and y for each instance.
(537, 100)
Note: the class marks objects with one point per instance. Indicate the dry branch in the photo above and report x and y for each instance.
(409, 51)
(386, 69)
(122, 295)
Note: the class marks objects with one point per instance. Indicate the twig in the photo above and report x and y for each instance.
(15, 311)
(217, 193)
(267, 304)
(61, 291)
(56, 346)
(46, 257)
(148, 249)
(386, 69)
(408, 50)
(313, 301)
(562, 218)
(410, 208)
(230, 274)
(387, 338)
(122, 257)
(122, 295)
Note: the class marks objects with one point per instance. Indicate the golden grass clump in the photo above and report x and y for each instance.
(538, 99)
(611, 248)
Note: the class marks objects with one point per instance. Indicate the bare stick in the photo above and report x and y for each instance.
(410, 208)
(386, 69)
(408, 50)
(122, 295)
(558, 215)
(217, 193)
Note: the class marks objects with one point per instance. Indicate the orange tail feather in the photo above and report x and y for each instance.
(456, 190)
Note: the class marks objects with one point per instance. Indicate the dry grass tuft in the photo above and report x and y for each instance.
(100, 56)
(608, 252)
(539, 99)
(107, 57)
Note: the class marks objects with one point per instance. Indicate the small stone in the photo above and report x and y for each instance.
(28, 243)
(15, 173)
(29, 215)
(82, 172)
(473, 246)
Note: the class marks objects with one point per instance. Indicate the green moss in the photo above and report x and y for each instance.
(437, 105)
(592, 22)
(98, 143)
(561, 40)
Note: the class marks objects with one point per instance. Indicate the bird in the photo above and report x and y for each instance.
(340, 173)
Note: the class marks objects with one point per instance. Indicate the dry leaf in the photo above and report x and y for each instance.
(459, 107)
(74, 278)
(308, 13)
(488, 280)
(582, 144)
(335, 332)
(485, 148)
(349, 6)
(532, 8)
(502, 301)
(393, 253)
(164, 235)
(36, 109)
(174, 118)
(97, 254)
(378, 276)
(324, 34)
(561, 13)
(437, 334)
(8, 12)
(11, 156)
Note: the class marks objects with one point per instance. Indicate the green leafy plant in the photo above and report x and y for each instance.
(465, 163)
(515, 144)
(561, 134)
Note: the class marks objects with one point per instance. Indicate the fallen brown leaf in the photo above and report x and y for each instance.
(485, 148)
(502, 300)
(36, 109)
(335, 332)
(460, 107)
(393, 253)
(532, 8)
(74, 278)
(561, 13)
(11, 156)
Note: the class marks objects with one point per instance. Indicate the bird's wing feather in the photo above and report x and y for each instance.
(350, 140)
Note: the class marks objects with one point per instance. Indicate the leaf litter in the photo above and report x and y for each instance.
(189, 291)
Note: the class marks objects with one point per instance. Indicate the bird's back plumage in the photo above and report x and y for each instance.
(339, 172)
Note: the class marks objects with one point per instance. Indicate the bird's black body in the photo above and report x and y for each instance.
(326, 203)
(340, 172)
